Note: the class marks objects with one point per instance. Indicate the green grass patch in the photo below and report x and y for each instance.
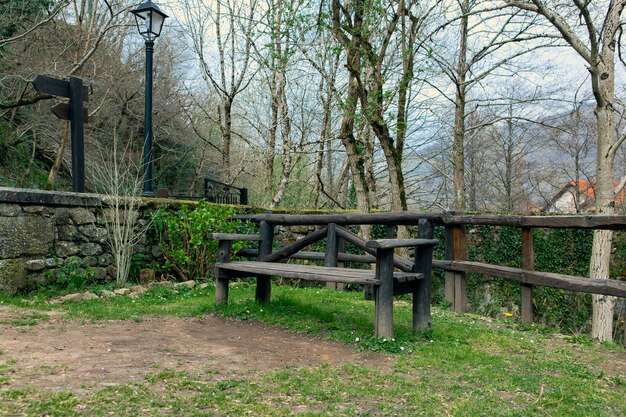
(464, 366)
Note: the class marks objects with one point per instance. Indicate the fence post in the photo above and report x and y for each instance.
(221, 283)
(528, 263)
(460, 282)
(332, 254)
(243, 196)
(263, 282)
(421, 294)
(449, 256)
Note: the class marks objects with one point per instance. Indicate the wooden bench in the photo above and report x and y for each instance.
(414, 277)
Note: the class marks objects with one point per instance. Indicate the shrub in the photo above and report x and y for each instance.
(72, 275)
(182, 237)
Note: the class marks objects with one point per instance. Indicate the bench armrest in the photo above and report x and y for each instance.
(233, 236)
(400, 243)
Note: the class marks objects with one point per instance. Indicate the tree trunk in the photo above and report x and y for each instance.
(56, 166)
(458, 142)
(602, 322)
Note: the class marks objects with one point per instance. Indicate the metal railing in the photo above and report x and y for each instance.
(219, 192)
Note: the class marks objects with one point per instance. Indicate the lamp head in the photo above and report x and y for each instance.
(149, 20)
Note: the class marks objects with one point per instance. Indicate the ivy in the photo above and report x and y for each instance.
(182, 234)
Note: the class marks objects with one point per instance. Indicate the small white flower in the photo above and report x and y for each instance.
(357, 339)
(401, 347)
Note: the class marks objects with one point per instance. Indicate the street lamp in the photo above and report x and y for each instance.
(149, 20)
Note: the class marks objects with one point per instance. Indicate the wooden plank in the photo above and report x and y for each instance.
(295, 247)
(460, 282)
(57, 87)
(263, 282)
(383, 324)
(576, 222)
(221, 284)
(62, 111)
(341, 248)
(422, 319)
(306, 272)
(233, 236)
(528, 263)
(412, 218)
(343, 219)
(316, 256)
(332, 248)
(547, 279)
(449, 255)
(400, 243)
(331, 256)
(399, 262)
(77, 134)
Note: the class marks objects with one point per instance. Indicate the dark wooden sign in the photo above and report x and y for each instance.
(62, 111)
(49, 85)
(75, 113)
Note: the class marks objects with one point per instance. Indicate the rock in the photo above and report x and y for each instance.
(93, 233)
(51, 262)
(107, 294)
(109, 216)
(139, 248)
(24, 236)
(105, 259)
(68, 232)
(82, 216)
(122, 291)
(90, 249)
(34, 209)
(138, 290)
(91, 260)
(303, 230)
(12, 276)
(35, 264)
(188, 284)
(203, 285)
(10, 210)
(156, 251)
(99, 273)
(62, 216)
(111, 271)
(65, 249)
(77, 297)
(146, 276)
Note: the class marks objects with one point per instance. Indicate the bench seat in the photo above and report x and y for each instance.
(229, 270)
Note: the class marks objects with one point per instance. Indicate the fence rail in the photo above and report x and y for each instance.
(455, 263)
(219, 192)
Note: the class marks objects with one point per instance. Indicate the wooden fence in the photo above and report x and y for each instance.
(456, 265)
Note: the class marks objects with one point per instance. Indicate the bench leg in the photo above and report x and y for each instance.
(263, 288)
(221, 290)
(421, 295)
(221, 281)
(383, 298)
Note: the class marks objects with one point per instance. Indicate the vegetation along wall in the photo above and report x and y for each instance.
(40, 231)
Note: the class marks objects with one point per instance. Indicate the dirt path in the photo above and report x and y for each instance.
(66, 354)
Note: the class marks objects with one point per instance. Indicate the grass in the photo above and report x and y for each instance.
(464, 366)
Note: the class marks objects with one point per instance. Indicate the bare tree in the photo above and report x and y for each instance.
(592, 29)
(227, 36)
(120, 180)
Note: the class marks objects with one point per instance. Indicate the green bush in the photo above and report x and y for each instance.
(72, 275)
(182, 235)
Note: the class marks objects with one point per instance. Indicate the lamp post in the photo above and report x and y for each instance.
(149, 20)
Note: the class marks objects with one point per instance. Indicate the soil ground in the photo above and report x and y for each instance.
(61, 354)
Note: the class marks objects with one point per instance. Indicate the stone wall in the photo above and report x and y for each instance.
(40, 230)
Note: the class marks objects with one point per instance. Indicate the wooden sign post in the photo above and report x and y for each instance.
(75, 113)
